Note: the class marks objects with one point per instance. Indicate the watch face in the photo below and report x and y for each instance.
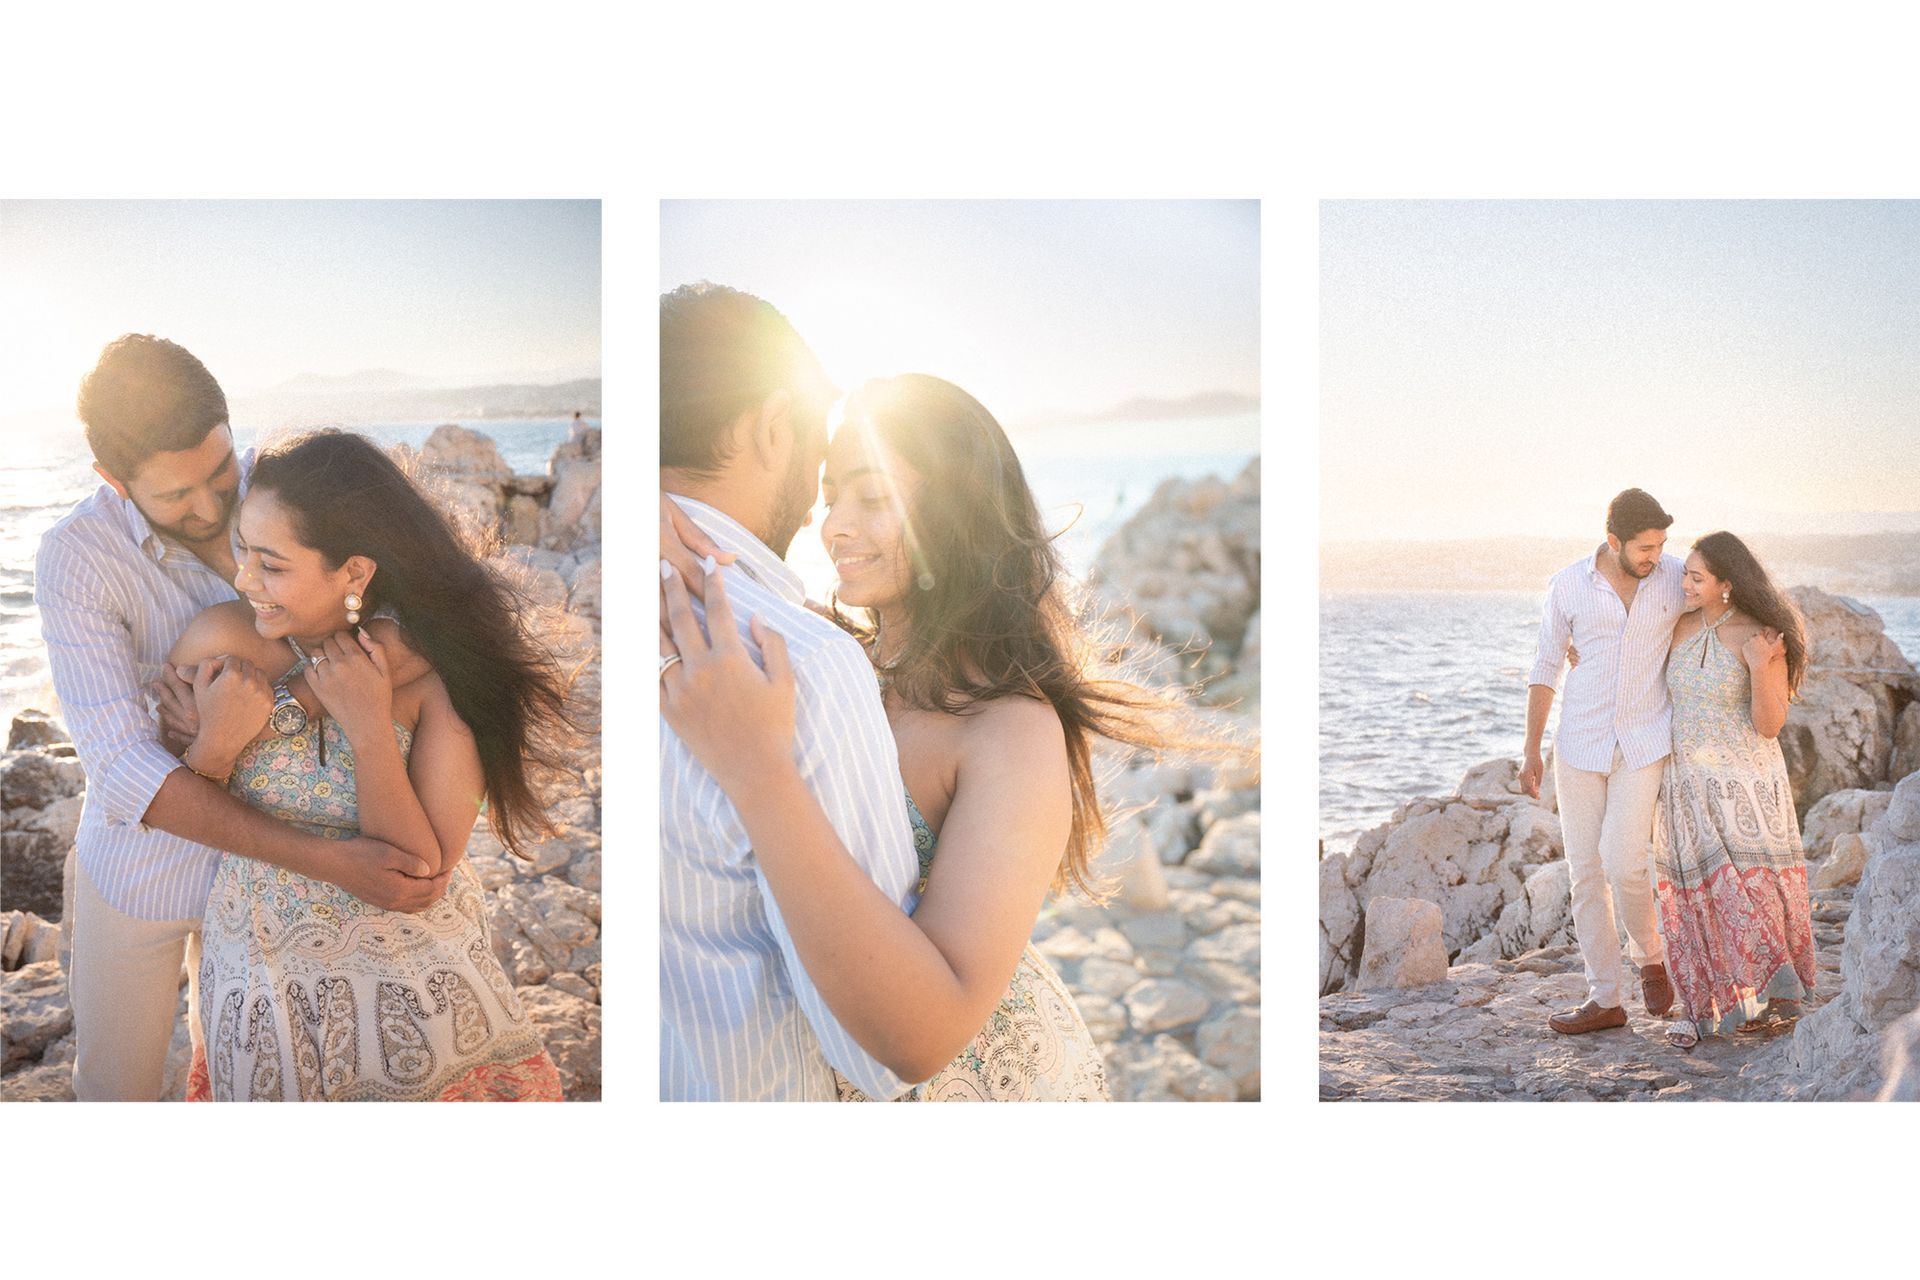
(288, 718)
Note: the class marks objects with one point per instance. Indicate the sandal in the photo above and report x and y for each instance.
(1683, 1035)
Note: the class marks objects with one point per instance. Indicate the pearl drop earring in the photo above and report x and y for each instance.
(353, 603)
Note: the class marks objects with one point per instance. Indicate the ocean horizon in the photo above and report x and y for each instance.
(1417, 687)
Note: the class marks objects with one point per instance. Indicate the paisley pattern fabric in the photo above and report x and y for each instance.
(1034, 1048)
(307, 993)
(1729, 871)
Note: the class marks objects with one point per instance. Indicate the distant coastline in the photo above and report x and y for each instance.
(1886, 564)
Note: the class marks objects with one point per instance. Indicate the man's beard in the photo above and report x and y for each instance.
(1626, 566)
(790, 510)
(181, 532)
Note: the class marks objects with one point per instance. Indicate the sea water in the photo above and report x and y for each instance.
(1418, 687)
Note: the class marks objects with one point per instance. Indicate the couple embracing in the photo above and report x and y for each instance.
(1681, 678)
(342, 688)
(863, 814)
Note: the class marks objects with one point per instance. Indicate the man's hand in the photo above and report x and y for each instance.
(1531, 771)
(179, 717)
(378, 873)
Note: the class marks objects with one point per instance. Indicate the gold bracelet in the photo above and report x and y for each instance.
(209, 777)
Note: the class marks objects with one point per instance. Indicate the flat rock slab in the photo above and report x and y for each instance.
(1482, 1035)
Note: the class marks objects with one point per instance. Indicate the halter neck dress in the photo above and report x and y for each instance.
(308, 993)
(1035, 1046)
(1730, 874)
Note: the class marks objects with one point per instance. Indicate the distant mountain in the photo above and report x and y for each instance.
(365, 380)
(387, 396)
(1205, 404)
(1885, 564)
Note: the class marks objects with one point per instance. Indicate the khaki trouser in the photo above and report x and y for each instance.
(125, 987)
(1606, 820)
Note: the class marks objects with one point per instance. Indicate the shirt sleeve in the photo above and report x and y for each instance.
(849, 761)
(97, 679)
(1556, 629)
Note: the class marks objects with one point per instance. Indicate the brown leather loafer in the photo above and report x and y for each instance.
(1588, 1017)
(1656, 989)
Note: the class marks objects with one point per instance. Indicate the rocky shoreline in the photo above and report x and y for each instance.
(544, 910)
(1446, 933)
(1167, 972)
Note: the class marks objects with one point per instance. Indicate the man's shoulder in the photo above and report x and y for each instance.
(1573, 573)
(88, 531)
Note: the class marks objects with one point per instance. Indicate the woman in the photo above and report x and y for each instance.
(988, 686)
(402, 728)
(1730, 875)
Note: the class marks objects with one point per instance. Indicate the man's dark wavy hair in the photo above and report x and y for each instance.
(147, 395)
(722, 353)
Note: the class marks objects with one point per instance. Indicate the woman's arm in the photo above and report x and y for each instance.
(1765, 653)
(911, 990)
(351, 680)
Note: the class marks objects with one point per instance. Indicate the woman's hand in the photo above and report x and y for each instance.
(686, 546)
(350, 677)
(736, 719)
(1763, 648)
(234, 699)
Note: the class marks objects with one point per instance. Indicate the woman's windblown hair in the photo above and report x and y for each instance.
(1753, 593)
(349, 498)
(988, 607)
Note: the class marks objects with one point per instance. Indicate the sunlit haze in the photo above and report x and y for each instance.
(453, 293)
(1044, 310)
(1504, 368)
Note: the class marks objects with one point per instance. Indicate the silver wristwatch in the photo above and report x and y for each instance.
(288, 716)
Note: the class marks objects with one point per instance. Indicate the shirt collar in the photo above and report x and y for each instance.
(157, 545)
(753, 556)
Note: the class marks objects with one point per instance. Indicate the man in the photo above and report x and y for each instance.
(743, 407)
(116, 581)
(1617, 607)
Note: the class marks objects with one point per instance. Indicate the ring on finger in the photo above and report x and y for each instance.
(666, 662)
(318, 658)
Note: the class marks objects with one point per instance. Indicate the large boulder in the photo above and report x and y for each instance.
(1841, 732)
(1834, 1052)
(1187, 566)
(1837, 814)
(1403, 947)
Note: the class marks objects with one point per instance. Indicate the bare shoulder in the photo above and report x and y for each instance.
(223, 630)
(1015, 728)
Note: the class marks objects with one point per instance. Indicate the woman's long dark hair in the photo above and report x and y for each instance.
(1752, 592)
(349, 498)
(987, 605)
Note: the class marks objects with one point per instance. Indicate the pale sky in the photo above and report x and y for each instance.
(1505, 367)
(1038, 308)
(458, 292)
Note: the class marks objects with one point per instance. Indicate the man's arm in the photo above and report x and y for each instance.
(1549, 659)
(136, 781)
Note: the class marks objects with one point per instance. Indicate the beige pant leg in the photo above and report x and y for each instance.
(1583, 811)
(125, 989)
(1626, 850)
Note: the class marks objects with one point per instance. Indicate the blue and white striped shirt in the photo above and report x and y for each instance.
(1617, 696)
(113, 597)
(739, 1018)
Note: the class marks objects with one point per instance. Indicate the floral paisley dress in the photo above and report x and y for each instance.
(1729, 871)
(308, 993)
(1035, 1047)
